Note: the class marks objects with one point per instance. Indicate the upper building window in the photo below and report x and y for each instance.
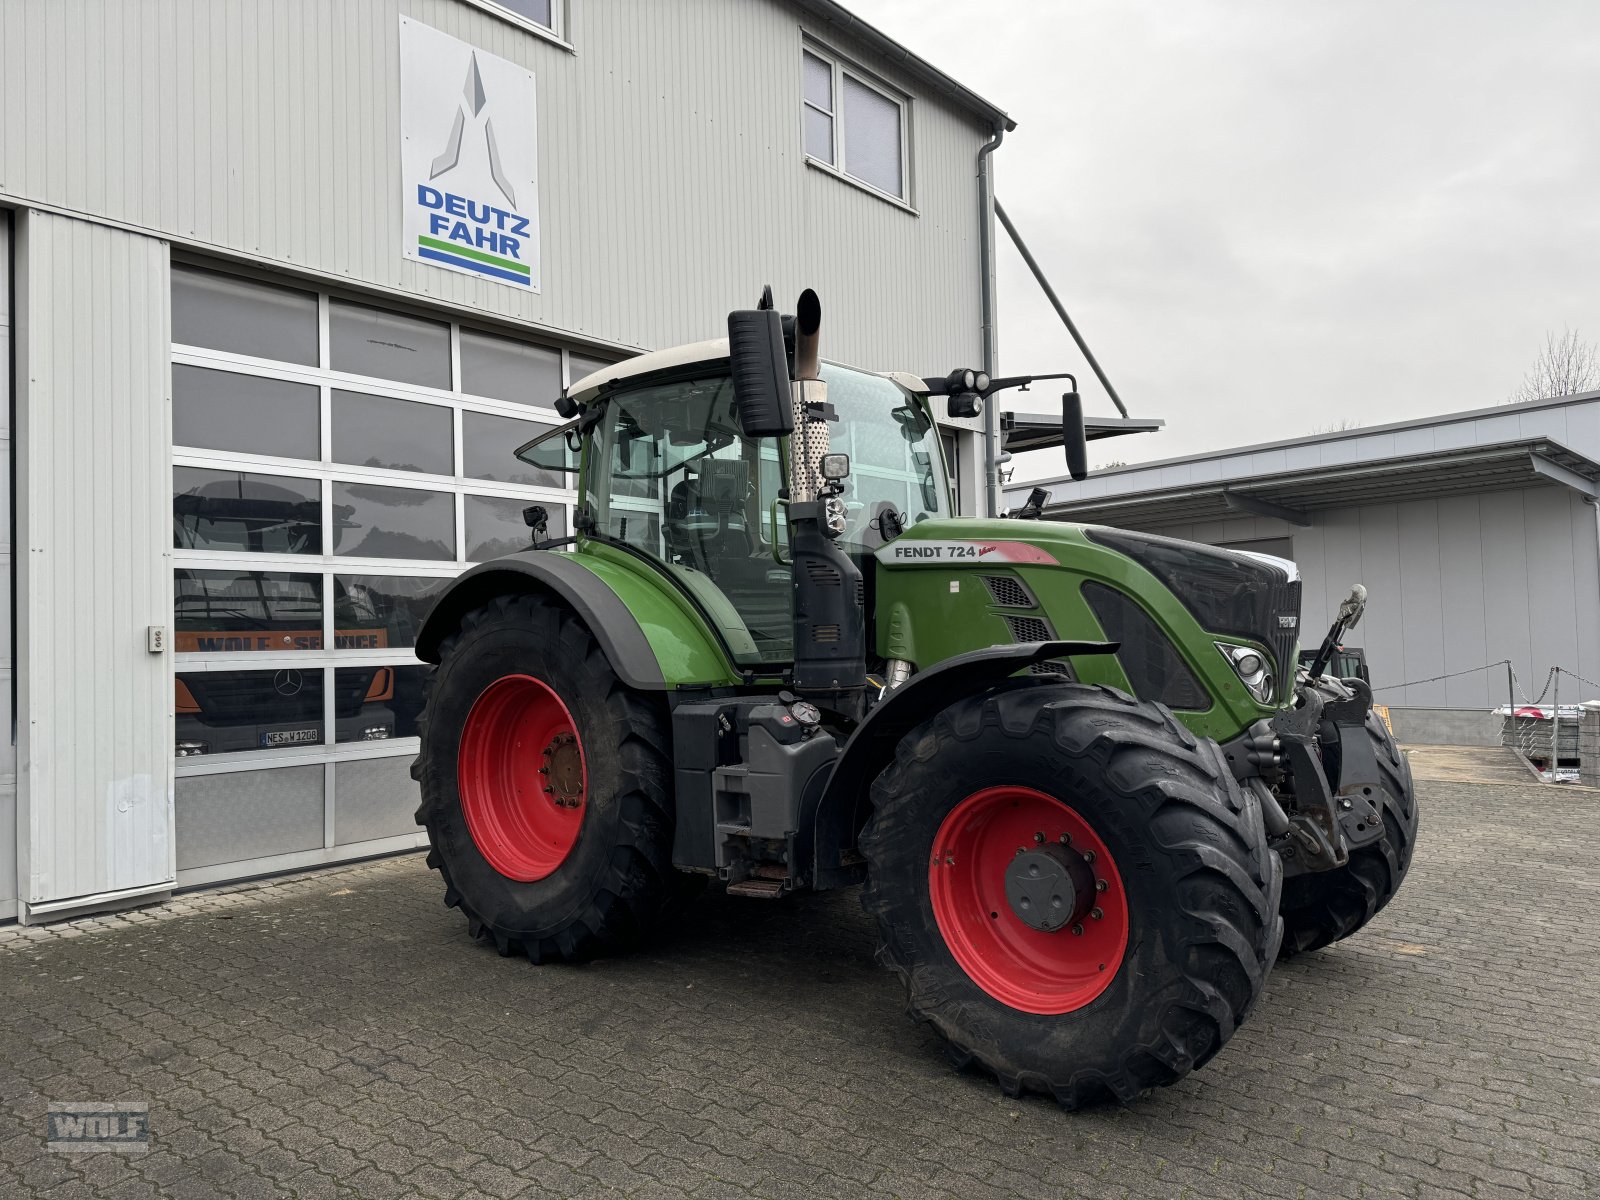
(852, 125)
(539, 12)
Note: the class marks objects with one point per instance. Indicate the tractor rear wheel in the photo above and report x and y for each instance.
(1072, 887)
(1322, 908)
(545, 786)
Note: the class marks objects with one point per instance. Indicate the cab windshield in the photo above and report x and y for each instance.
(894, 451)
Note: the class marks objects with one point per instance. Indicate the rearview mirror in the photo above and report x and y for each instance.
(760, 373)
(1072, 435)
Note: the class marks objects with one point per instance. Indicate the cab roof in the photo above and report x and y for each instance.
(712, 353)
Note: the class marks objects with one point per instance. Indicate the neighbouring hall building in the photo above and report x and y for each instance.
(281, 288)
(1476, 534)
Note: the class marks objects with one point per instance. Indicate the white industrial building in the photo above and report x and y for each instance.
(281, 287)
(1476, 534)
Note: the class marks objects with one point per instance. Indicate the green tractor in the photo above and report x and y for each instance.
(1090, 792)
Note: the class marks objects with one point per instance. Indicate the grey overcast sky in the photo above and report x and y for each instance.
(1268, 217)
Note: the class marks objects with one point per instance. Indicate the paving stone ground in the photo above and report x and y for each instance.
(339, 1034)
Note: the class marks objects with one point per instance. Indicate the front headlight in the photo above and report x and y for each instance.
(1252, 668)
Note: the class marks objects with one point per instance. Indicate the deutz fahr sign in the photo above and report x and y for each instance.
(468, 159)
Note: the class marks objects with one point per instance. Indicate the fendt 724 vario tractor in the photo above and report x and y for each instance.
(1090, 794)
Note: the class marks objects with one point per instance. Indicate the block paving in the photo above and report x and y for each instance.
(338, 1034)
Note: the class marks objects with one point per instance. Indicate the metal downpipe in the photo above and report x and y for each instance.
(991, 365)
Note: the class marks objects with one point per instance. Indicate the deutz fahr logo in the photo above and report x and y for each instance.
(469, 158)
(458, 226)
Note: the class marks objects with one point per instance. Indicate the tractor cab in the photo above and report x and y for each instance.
(668, 474)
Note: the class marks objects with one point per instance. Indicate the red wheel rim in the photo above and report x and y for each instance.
(522, 777)
(1021, 966)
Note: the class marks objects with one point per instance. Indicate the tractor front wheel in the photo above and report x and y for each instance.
(1076, 894)
(545, 786)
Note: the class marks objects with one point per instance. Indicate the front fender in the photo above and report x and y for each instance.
(841, 807)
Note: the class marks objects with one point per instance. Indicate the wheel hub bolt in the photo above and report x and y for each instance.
(1099, 885)
(1038, 839)
(1077, 930)
(1096, 913)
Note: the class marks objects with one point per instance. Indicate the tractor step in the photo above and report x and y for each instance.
(757, 889)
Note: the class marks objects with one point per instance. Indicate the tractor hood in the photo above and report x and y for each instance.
(949, 586)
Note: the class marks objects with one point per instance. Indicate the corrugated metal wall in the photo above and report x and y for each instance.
(8, 747)
(1452, 584)
(671, 178)
(93, 495)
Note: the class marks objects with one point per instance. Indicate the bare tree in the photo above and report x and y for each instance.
(1338, 426)
(1567, 364)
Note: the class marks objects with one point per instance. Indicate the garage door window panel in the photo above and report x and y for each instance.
(395, 435)
(388, 345)
(378, 702)
(504, 369)
(488, 450)
(495, 526)
(372, 521)
(245, 512)
(392, 606)
(234, 612)
(225, 712)
(581, 366)
(243, 316)
(247, 414)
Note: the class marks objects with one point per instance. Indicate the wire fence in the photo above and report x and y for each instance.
(1550, 736)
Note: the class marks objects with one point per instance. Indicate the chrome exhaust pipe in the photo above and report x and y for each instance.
(807, 342)
(810, 439)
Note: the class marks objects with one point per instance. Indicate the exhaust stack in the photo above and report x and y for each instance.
(829, 623)
(811, 437)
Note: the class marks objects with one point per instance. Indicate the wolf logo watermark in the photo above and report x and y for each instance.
(89, 1126)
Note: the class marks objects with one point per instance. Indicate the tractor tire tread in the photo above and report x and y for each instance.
(1225, 937)
(621, 909)
(1323, 908)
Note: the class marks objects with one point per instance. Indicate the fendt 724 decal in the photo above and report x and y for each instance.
(905, 552)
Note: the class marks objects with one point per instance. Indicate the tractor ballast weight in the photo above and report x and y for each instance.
(1090, 794)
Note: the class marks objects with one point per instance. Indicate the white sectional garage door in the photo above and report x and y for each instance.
(335, 464)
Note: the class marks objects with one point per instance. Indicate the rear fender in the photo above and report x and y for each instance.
(835, 813)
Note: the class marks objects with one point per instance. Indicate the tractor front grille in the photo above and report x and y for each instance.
(1008, 592)
(1284, 635)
